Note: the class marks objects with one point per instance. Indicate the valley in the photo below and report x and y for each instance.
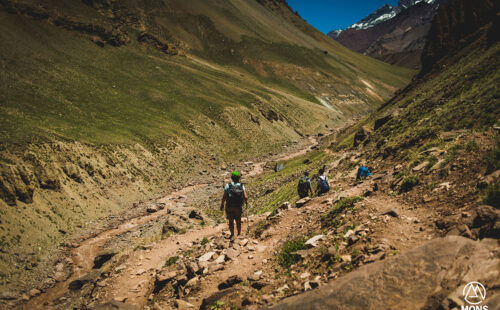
(123, 120)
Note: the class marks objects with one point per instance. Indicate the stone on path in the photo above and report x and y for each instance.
(313, 242)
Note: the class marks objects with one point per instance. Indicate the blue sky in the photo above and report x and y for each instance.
(327, 15)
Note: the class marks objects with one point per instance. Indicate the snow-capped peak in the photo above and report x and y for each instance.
(386, 12)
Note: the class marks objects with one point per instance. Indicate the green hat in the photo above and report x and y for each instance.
(236, 174)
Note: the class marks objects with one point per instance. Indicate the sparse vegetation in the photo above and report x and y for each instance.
(408, 183)
(172, 260)
(287, 256)
(331, 218)
(205, 241)
(492, 196)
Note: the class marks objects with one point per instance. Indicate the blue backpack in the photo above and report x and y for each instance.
(323, 185)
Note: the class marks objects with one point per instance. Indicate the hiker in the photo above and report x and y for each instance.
(304, 187)
(234, 197)
(363, 173)
(323, 186)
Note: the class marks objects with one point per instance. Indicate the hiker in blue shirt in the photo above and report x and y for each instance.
(363, 173)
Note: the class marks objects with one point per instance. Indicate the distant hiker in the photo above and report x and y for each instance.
(323, 186)
(234, 197)
(363, 173)
(304, 187)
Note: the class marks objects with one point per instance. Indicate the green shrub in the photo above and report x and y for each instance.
(330, 219)
(408, 183)
(172, 260)
(493, 160)
(205, 241)
(287, 256)
(492, 196)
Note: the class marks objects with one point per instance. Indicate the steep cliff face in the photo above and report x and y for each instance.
(456, 24)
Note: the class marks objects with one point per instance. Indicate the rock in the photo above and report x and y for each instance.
(349, 233)
(250, 256)
(331, 252)
(165, 276)
(305, 275)
(243, 242)
(230, 282)
(438, 165)
(301, 202)
(181, 304)
(195, 214)
(346, 258)
(379, 122)
(206, 257)
(258, 285)
(193, 282)
(208, 302)
(115, 305)
(34, 292)
(192, 269)
(359, 137)
(170, 227)
(374, 257)
(420, 166)
(103, 256)
(283, 288)
(285, 206)
(220, 259)
(215, 267)
(8, 295)
(90, 277)
(307, 286)
(313, 242)
(152, 208)
(411, 280)
(352, 239)
(390, 212)
(232, 254)
(487, 221)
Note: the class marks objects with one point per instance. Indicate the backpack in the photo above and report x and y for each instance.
(323, 185)
(303, 187)
(236, 195)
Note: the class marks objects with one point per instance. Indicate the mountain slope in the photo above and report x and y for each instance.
(105, 103)
(392, 34)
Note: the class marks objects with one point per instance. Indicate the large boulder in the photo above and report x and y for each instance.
(432, 276)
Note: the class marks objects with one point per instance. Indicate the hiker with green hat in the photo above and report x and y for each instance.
(234, 197)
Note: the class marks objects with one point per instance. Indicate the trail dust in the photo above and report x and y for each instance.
(82, 257)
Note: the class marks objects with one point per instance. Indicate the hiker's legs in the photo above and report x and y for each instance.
(238, 225)
(231, 226)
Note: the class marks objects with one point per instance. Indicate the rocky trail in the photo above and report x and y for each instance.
(197, 266)
(83, 254)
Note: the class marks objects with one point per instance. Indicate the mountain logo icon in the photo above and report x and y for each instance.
(474, 293)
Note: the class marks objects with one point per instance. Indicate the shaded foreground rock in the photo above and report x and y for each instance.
(114, 305)
(431, 276)
(90, 277)
(103, 256)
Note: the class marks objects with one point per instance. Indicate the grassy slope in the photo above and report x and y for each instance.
(132, 121)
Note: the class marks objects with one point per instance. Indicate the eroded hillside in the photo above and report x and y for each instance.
(106, 103)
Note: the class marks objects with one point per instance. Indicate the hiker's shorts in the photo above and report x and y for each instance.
(234, 213)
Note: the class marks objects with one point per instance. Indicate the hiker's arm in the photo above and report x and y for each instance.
(311, 188)
(246, 197)
(223, 201)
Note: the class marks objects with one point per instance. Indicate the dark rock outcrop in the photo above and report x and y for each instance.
(454, 27)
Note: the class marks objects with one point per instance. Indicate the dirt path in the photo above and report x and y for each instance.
(82, 257)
